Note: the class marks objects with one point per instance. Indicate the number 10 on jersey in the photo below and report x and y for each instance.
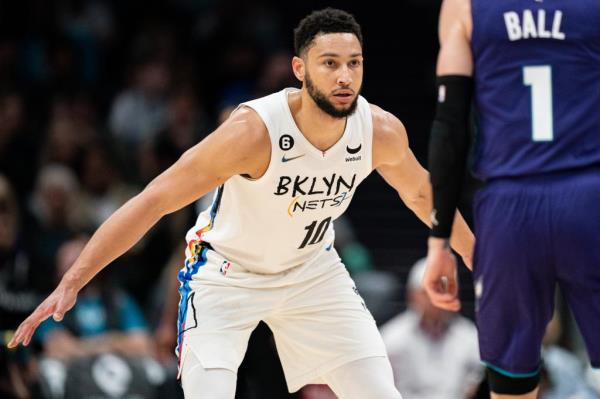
(540, 80)
(315, 232)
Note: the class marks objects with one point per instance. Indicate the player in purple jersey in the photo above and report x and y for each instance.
(532, 70)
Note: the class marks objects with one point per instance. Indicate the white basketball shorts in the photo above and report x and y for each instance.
(319, 321)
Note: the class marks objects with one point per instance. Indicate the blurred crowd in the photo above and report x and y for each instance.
(96, 99)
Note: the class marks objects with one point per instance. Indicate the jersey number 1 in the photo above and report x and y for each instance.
(312, 236)
(540, 80)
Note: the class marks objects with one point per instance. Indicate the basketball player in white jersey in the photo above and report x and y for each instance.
(286, 166)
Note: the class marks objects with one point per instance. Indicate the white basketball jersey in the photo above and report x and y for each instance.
(285, 218)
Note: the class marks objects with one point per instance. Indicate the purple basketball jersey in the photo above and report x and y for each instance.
(537, 79)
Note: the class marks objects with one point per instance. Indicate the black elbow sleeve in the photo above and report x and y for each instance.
(448, 149)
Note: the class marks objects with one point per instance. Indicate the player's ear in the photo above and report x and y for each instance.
(299, 68)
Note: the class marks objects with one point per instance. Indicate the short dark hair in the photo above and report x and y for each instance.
(328, 20)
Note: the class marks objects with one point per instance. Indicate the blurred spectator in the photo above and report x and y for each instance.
(381, 292)
(16, 371)
(104, 191)
(104, 320)
(70, 132)
(18, 150)
(56, 216)
(87, 18)
(17, 296)
(355, 255)
(562, 375)
(84, 113)
(55, 198)
(140, 111)
(187, 120)
(593, 377)
(188, 123)
(87, 24)
(240, 67)
(17, 292)
(434, 353)
(166, 300)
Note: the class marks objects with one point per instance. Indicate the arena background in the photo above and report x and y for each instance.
(64, 65)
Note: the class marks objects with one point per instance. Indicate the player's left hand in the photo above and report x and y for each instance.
(440, 281)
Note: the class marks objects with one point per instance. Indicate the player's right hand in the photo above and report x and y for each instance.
(56, 305)
(440, 281)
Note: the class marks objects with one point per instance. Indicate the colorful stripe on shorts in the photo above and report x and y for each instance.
(197, 258)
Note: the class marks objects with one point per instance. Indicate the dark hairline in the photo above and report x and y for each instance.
(304, 50)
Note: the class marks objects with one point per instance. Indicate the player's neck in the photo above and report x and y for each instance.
(319, 128)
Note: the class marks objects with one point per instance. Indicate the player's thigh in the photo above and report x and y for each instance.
(513, 274)
(322, 324)
(218, 321)
(368, 378)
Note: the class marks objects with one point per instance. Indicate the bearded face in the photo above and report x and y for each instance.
(327, 106)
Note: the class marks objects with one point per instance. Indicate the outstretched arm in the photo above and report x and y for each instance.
(448, 146)
(239, 146)
(396, 163)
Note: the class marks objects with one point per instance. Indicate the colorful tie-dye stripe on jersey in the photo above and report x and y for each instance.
(197, 258)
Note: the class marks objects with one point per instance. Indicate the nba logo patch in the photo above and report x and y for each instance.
(225, 267)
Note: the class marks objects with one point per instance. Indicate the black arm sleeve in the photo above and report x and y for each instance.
(448, 149)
